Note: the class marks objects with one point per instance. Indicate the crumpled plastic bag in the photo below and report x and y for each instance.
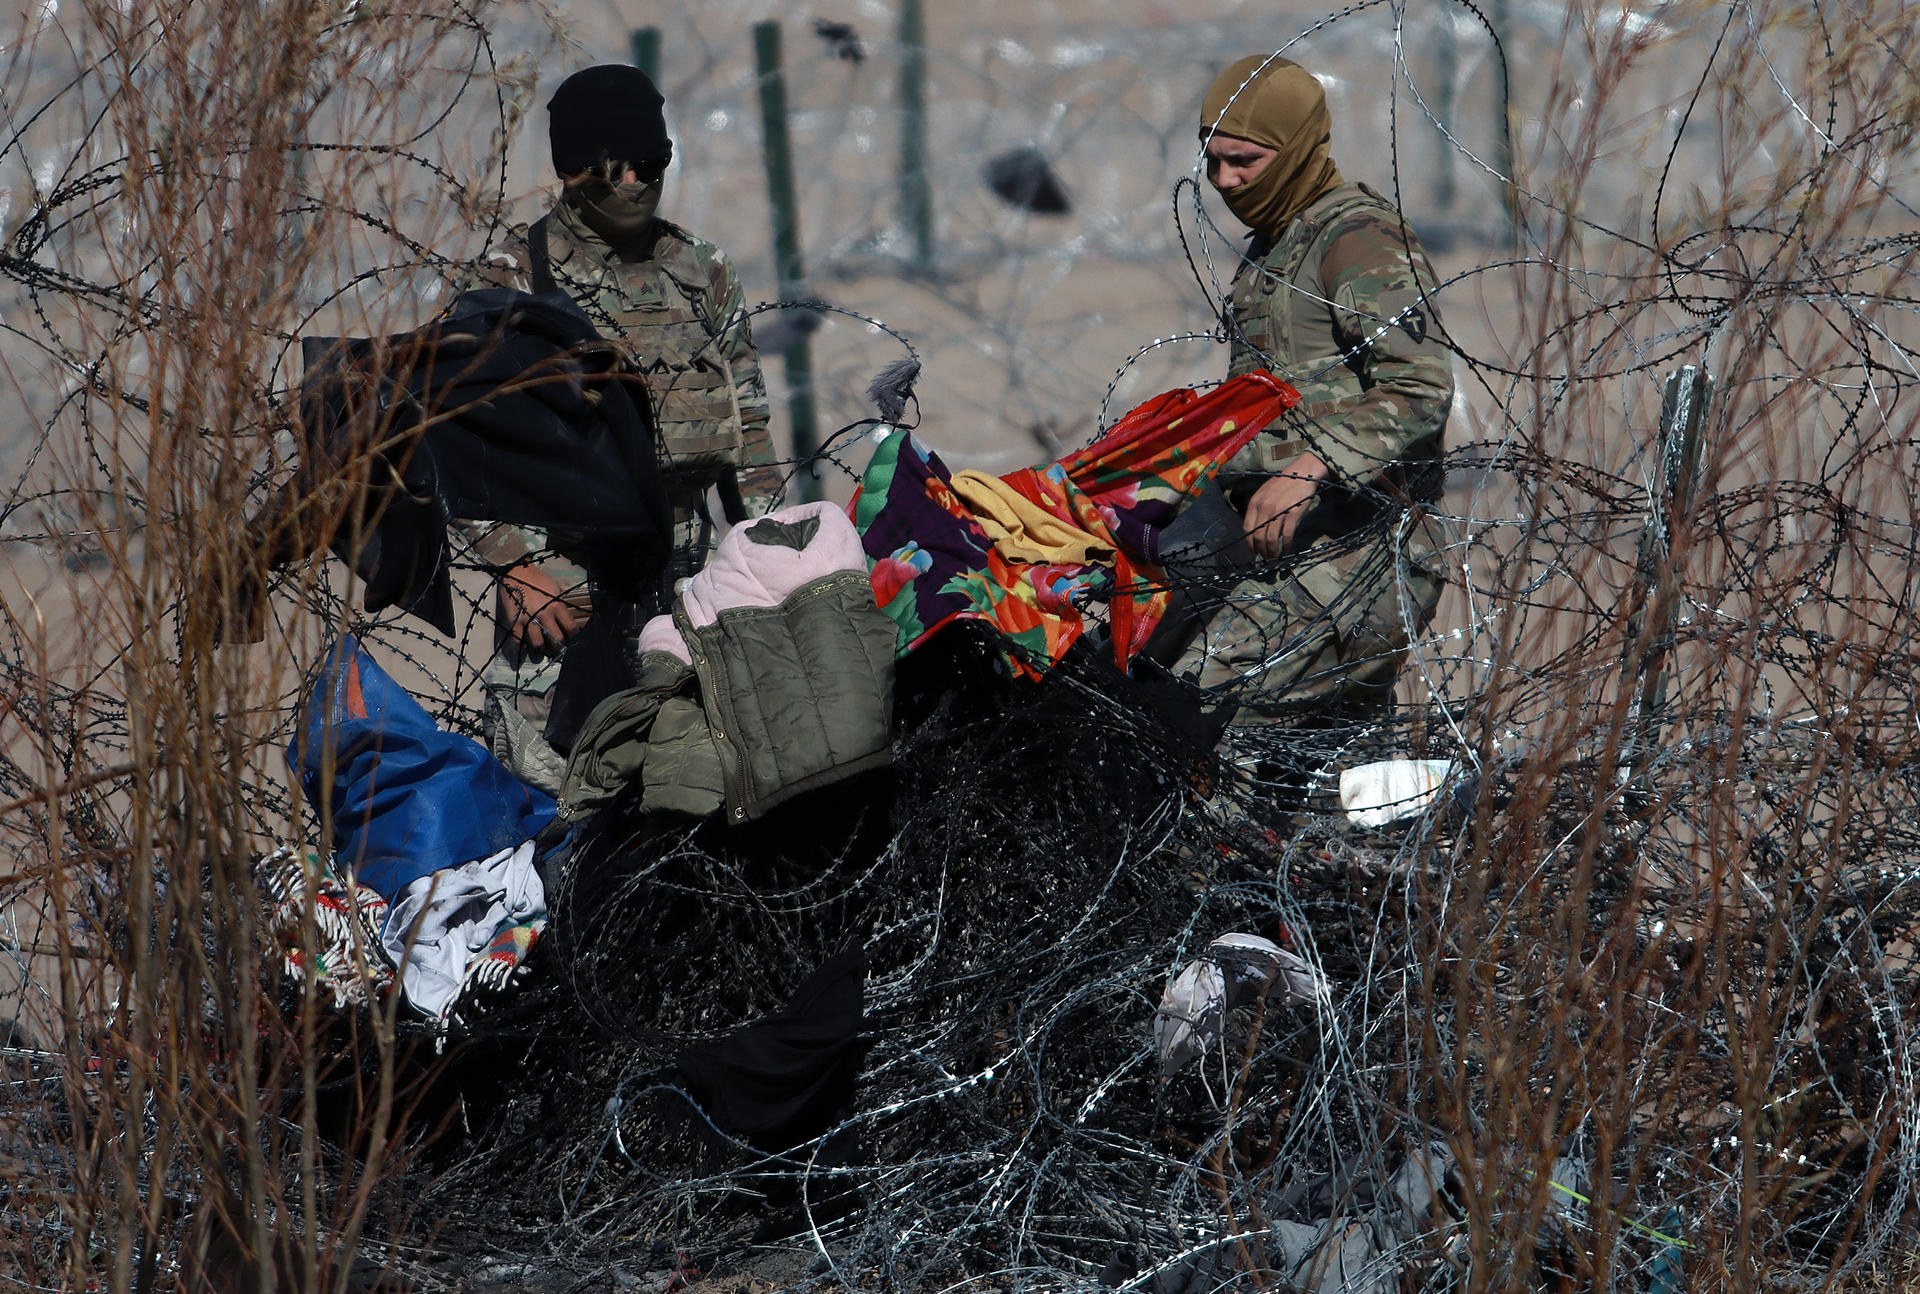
(1375, 794)
(1236, 969)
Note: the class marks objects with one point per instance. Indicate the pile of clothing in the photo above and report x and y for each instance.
(1028, 552)
(771, 677)
(432, 884)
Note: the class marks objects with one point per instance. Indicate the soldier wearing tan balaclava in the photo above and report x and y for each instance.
(1335, 296)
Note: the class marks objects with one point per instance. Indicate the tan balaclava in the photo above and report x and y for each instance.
(1278, 104)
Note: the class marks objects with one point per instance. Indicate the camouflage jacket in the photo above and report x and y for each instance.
(1341, 305)
(680, 311)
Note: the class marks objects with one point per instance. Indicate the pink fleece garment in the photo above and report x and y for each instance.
(744, 573)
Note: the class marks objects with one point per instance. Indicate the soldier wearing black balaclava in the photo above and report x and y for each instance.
(1335, 296)
(606, 124)
(674, 299)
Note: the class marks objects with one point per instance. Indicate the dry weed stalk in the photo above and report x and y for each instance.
(1628, 956)
(195, 1093)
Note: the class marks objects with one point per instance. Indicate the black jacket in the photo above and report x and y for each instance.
(510, 407)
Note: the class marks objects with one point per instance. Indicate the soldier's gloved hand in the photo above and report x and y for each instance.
(1274, 511)
(531, 607)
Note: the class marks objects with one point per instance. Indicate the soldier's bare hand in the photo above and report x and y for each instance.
(1274, 511)
(530, 604)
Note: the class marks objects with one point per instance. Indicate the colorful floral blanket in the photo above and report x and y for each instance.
(933, 563)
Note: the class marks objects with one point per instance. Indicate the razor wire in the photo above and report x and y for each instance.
(1686, 914)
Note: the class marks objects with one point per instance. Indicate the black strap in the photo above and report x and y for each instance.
(734, 506)
(540, 270)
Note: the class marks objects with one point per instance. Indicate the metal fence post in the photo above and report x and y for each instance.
(916, 189)
(1446, 56)
(788, 269)
(1654, 601)
(1503, 120)
(643, 51)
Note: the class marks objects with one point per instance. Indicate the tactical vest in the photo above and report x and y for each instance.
(661, 308)
(1277, 307)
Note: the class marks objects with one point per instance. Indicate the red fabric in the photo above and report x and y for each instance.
(932, 563)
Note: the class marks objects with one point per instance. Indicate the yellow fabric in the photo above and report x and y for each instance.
(1275, 103)
(1020, 530)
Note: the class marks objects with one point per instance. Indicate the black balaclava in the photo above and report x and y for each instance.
(604, 120)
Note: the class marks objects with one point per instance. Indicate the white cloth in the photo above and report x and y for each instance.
(442, 922)
(1375, 794)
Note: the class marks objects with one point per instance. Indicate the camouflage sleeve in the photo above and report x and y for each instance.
(760, 475)
(502, 546)
(498, 544)
(1382, 288)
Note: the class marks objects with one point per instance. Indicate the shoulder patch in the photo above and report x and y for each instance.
(511, 251)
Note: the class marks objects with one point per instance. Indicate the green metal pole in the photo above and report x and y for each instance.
(788, 269)
(916, 189)
(1503, 122)
(643, 50)
(1447, 56)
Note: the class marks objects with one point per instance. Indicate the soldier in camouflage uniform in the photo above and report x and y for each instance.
(676, 303)
(1336, 297)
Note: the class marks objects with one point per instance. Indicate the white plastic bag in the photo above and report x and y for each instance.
(1375, 794)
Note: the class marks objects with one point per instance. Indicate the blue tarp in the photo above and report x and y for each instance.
(407, 797)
